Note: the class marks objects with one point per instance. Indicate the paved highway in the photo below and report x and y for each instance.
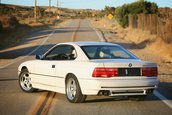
(15, 101)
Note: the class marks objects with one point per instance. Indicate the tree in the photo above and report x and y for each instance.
(134, 8)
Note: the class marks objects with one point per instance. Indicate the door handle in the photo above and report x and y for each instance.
(53, 66)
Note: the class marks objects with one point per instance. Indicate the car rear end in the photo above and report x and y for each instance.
(129, 77)
(122, 72)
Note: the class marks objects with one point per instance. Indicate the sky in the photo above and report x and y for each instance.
(84, 4)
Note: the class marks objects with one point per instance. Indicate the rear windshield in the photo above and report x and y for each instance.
(107, 52)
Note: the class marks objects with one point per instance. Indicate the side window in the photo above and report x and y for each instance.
(61, 52)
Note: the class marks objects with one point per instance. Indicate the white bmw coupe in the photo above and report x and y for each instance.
(78, 69)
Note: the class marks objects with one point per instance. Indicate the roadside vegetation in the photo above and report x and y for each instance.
(134, 8)
(17, 21)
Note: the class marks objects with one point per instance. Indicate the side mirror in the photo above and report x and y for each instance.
(39, 57)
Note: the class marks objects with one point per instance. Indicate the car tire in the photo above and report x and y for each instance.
(73, 90)
(138, 98)
(25, 81)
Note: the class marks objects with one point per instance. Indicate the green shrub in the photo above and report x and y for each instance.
(134, 8)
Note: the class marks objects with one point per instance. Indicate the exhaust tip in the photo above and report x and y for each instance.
(104, 92)
(149, 91)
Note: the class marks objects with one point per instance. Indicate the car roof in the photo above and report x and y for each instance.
(90, 43)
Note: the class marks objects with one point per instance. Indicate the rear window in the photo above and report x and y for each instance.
(107, 52)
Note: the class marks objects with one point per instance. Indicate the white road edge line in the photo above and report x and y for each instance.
(18, 59)
(156, 93)
(100, 36)
(164, 99)
(97, 32)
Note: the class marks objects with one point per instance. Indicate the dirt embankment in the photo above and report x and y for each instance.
(8, 22)
(143, 44)
(147, 41)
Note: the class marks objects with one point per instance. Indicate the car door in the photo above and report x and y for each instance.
(44, 72)
(47, 67)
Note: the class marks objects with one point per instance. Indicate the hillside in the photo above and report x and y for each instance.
(20, 19)
(16, 21)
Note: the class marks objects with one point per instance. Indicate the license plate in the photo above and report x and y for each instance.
(129, 72)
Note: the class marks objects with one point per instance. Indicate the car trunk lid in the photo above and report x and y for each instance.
(126, 67)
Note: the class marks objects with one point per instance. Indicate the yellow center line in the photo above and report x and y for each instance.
(38, 105)
(75, 32)
(48, 104)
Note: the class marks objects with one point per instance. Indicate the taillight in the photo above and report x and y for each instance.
(150, 71)
(105, 72)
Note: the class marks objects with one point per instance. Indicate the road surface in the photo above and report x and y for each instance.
(14, 101)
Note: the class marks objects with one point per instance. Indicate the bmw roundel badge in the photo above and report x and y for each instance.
(130, 64)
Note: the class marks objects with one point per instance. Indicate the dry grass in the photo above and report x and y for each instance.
(11, 36)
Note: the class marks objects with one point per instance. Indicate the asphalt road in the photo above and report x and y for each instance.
(15, 101)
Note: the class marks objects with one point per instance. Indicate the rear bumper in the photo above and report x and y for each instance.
(118, 86)
(127, 91)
